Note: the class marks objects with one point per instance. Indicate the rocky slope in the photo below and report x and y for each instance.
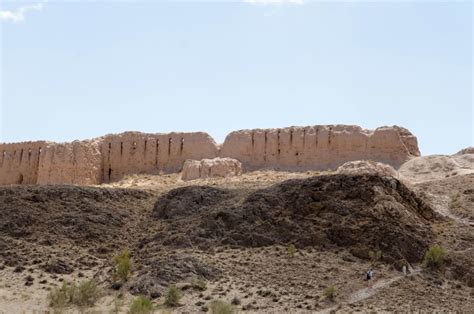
(235, 234)
(46, 227)
(368, 211)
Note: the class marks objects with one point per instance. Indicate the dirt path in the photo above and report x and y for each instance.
(365, 293)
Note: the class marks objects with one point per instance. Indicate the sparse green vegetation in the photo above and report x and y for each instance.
(173, 295)
(434, 257)
(291, 250)
(141, 305)
(330, 292)
(375, 255)
(455, 201)
(199, 283)
(221, 307)
(60, 297)
(122, 265)
(85, 294)
(88, 293)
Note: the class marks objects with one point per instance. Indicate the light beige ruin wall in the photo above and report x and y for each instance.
(143, 153)
(79, 162)
(318, 147)
(409, 140)
(19, 162)
(110, 158)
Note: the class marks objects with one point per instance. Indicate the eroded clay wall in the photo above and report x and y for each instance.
(143, 153)
(318, 147)
(110, 158)
(79, 162)
(409, 140)
(19, 162)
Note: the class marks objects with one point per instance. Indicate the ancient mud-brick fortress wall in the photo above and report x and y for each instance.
(138, 153)
(110, 158)
(79, 162)
(19, 162)
(318, 147)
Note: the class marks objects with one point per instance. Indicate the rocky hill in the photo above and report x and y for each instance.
(228, 235)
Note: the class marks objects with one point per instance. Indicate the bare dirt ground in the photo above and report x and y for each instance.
(452, 196)
(235, 233)
(251, 180)
(437, 167)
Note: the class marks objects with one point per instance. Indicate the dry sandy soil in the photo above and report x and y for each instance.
(235, 234)
(436, 167)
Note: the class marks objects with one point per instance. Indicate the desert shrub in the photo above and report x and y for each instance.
(85, 294)
(122, 265)
(375, 255)
(330, 292)
(199, 283)
(221, 307)
(59, 297)
(291, 250)
(434, 257)
(141, 305)
(455, 201)
(173, 295)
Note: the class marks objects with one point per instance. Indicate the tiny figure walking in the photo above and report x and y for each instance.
(369, 276)
(404, 270)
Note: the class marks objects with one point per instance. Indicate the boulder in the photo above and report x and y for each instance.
(211, 168)
(367, 167)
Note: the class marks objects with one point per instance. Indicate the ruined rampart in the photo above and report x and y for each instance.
(110, 158)
(79, 162)
(139, 153)
(318, 147)
(19, 162)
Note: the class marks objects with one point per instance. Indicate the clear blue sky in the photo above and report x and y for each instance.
(83, 69)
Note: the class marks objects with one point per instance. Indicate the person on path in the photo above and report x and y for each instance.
(369, 276)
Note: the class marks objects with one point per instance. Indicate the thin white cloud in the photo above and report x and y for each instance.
(19, 14)
(274, 2)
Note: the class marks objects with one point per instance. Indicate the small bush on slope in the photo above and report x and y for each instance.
(85, 294)
(434, 257)
(173, 295)
(330, 292)
(141, 305)
(199, 283)
(221, 307)
(123, 265)
(291, 250)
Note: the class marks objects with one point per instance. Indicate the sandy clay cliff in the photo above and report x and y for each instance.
(111, 157)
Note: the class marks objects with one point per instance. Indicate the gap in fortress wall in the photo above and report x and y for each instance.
(111, 157)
